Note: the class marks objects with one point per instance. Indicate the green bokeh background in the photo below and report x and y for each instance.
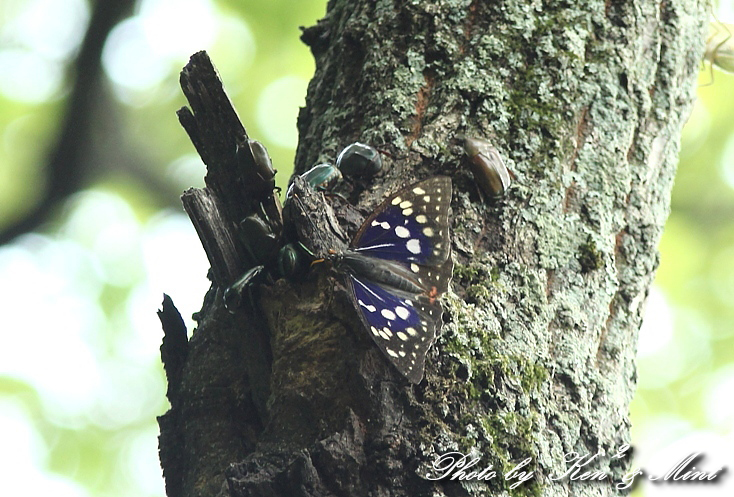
(78, 418)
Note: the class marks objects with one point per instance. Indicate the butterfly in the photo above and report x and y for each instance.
(397, 266)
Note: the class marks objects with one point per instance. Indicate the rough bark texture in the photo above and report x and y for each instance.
(536, 357)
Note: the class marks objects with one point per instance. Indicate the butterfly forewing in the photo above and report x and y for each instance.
(402, 326)
(410, 226)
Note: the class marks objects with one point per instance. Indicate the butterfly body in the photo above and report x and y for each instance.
(379, 271)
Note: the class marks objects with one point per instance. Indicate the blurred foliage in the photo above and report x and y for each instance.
(77, 417)
(80, 379)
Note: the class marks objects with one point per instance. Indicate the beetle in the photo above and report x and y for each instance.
(359, 159)
(323, 177)
(257, 169)
(243, 289)
(258, 182)
(259, 240)
(293, 261)
(487, 166)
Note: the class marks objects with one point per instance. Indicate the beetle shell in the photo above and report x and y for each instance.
(258, 173)
(323, 176)
(242, 289)
(487, 166)
(359, 159)
(292, 261)
(259, 239)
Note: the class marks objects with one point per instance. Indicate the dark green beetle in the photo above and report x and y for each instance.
(243, 289)
(323, 177)
(292, 261)
(259, 239)
(359, 159)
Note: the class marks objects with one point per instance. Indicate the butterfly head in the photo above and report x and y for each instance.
(333, 258)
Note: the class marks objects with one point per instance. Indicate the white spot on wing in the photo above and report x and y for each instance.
(402, 232)
(408, 212)
(402, 312)
(414, 267)
(388, 314)
(413, 246)
(396, 201)
(418, 190)
(405, 204)
(369, 307)
(391, 353)
(428, 231)
(402, 336)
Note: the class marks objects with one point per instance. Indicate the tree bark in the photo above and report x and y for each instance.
(536, 357)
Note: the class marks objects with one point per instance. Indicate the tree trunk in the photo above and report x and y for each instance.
(536, 357)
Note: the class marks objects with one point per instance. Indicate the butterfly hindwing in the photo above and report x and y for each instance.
(402, 326)
(412, 225)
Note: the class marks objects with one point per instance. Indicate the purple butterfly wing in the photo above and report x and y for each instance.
(402, 326)
(410, 228)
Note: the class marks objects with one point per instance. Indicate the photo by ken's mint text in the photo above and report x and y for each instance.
(579, 467)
